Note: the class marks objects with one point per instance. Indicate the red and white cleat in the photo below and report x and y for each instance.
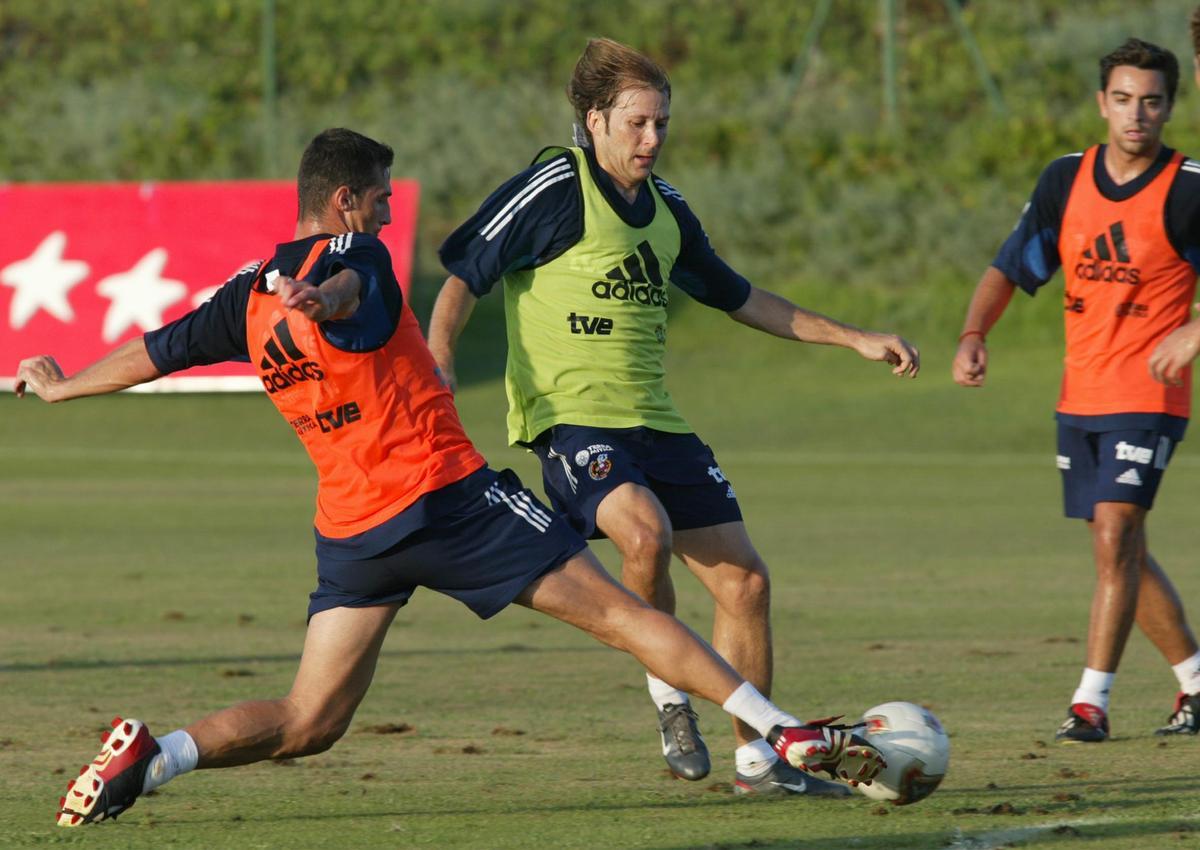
(114, 779)
(837, 750)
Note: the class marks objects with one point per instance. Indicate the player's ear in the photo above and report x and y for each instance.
(594, 120)
(343, 199)
(1100, 102)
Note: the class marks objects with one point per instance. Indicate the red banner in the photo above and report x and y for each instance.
(85, 267)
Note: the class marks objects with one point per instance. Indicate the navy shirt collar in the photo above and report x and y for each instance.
(638, 214)
(1123, 192)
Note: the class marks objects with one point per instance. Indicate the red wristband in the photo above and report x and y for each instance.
(966, 334)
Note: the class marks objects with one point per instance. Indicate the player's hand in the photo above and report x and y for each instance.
(889, 348)
(1175, 353)
(308, 299)
(39, 375)
(970, 362)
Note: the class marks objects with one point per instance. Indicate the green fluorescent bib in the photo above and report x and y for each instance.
(587, 331)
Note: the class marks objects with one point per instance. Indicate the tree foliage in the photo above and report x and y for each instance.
(797, 177)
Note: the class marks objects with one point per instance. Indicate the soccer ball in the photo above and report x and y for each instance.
(916, 748)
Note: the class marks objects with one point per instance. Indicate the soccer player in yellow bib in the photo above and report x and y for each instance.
(584, 243)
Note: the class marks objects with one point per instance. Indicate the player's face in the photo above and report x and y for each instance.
(372, 207)
(627, 141)
(1136, 107)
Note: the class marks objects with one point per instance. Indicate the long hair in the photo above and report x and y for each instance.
(606, 69)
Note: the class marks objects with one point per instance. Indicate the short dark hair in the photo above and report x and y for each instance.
(1196, 31)
(1146, 56)
(338, 157)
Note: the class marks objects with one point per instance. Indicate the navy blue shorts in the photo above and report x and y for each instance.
(483, 553)
(1110, 466)
(581, 465)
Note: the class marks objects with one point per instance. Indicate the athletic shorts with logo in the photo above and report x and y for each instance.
(483, 552)
(1110, 466)
(582, 465)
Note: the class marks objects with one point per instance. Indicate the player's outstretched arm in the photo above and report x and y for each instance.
(450, 314)
(773, 314)
(992, 295)
(123, 367)
(1175, 353)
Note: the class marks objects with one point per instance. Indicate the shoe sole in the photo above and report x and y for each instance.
(742, 790)
(856, 762)
(84, 792)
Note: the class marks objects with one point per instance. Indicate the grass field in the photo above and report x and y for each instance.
(157, 557)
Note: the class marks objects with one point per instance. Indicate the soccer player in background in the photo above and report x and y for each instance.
(403, 499)
(1122, 219)
(584, 243)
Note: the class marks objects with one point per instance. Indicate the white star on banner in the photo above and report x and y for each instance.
(139, 296)
(42, 282)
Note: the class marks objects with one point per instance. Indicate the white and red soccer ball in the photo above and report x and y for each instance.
(916, 747)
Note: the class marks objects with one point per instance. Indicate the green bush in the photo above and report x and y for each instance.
(798, 179)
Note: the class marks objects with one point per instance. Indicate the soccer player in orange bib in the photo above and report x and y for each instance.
(1122, 219)
(403, 500)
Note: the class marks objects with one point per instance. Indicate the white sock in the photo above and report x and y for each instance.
(1188, 674)
(664, 694)
(179, 755)
(755, 758)
(1093, 688)
(751, 707)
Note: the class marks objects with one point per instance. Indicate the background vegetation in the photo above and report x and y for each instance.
(799, 181)
(156, 549)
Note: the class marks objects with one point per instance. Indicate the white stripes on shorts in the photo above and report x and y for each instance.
(521, 505)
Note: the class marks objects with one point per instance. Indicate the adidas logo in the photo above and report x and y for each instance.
(1106, 259)
(281, 368)
(638, 279)
(1130, 477)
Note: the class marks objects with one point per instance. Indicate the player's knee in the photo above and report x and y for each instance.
(647, 549)
(746, 591)
(1116, 537)
(308, 735)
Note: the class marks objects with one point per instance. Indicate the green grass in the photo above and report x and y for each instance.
(158, 553)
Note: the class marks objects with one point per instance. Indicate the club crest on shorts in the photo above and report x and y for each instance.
(599, 468)
(584, 455)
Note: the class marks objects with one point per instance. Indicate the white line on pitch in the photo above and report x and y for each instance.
(1004, 837)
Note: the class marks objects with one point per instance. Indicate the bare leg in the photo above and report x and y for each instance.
(582, 594)
(635, 521)
(1160, 613)
(1118, 544)
(340, 651)
(725, 561)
